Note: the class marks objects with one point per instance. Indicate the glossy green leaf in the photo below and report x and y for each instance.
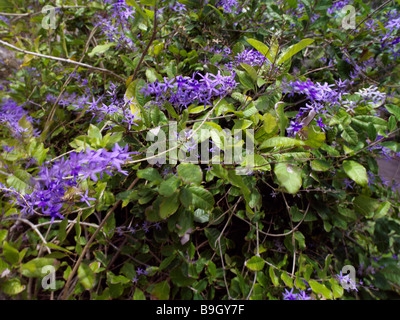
(190, 173)
(292, 50)
(281, 142)
(201, 198)
(289, 176)
(319, 288)
(259, 46)
(169, 205)
(161, 290)
(86, 276)
(12, 287)
(255, 263)
(356, 172)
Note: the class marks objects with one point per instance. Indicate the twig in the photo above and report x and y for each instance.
(370, 15)
(34, 228)
(84, 65)
(65, 294)
(153, 36)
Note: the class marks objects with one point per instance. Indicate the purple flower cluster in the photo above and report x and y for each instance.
(51, 184)
(391, 39)
(251, 57)
(319, 95)
(289, 295)
(4, 19)
(178, 7)
(372, 95)
(346, 282)
(183, 91)
(11, 114)
(337, 6)
(108, 106)
(228, 5)
(116, 26)
(300, 11)
(317, 91)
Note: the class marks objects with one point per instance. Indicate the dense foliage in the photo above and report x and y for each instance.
(93, 86)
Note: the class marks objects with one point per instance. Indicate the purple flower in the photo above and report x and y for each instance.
(348, 183)
(228, 5)
(289, 295)
(85, 198)
(294, 128)
(320, 123)
(8, 149)
(183, 91)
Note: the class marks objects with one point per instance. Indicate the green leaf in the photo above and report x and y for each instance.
(12, 287)
(350, 135)
(152, 75)
(273, 277)
(169, 206)
(161, 290)
(149, 174)
(270, 123)
(34, 267)
(250, 70)
(366, 205)
(281, 142)
(315, 139)
(337, 289)
(185, 196)
(3, 236)
(86, 276)
(320, 165)
(101, 49)
(202, 198)
(292, 50)
(128, 62)
(287, 279)
(395, 110)
(257, 162)
(242, 124)
(138, 295)
(94, 132)
(371, 131)
(20, 180)
(245, 79)
(169, 186)
(259, 46)
(10, 253)
(283, 120)
(40, 153)
(382, 210)
(320, 289)
(190, 173)
(255, 263)
(201, 216)
(289, 176)
(356, 172)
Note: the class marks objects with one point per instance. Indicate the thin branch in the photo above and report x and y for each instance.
(34, 228)
(84, 65)
(65, 293)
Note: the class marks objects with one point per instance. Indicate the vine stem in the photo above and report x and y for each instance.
(84, 65)
(64, 295)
